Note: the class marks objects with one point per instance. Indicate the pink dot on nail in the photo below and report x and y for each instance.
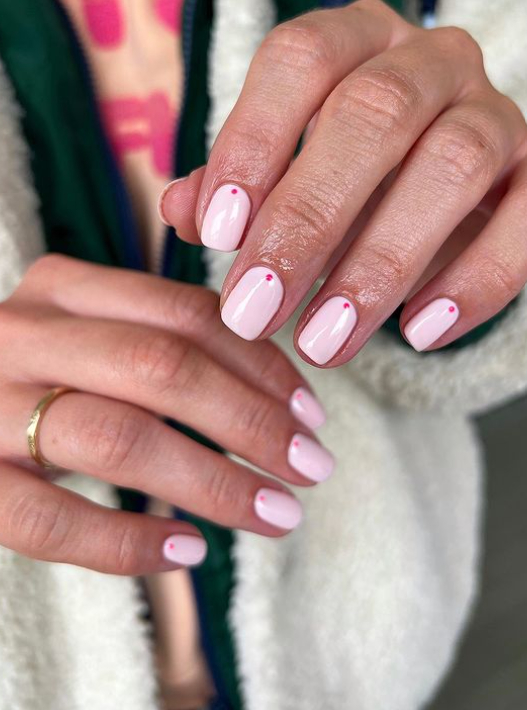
(299, 395)
(296, 443)
(451, 309)
(346, 305)
(171, 546)
(234, 191)
(262, 498)
(269, 277)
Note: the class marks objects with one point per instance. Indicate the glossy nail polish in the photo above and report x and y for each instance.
(226, 218)
(253, 302)
(277, 508)
(431, 323)
(328, 329)
(186, 550)
(310, 459)
(306, 408)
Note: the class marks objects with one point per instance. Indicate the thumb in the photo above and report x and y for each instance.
(177, 205)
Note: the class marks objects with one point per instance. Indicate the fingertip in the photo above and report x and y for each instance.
(176, 206)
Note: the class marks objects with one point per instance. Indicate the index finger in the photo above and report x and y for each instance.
(293, 72)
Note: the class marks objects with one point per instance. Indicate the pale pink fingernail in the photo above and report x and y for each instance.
(277, 508)
(185, 550)
(161, 200)
(310, 459)
(431, 323)
(253, 302)
(328, 329)
(306, 408)
(226, 218)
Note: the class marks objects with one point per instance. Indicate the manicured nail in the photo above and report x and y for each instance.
(310, 459)
(306, 408)
(253, 302)
(277, 508)
(161, 200)
(431, 323)
(328, 329)
(226, 218)
(185, 550)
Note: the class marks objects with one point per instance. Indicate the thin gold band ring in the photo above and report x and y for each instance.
(33, 429)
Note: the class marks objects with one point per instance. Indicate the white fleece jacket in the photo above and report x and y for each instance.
(362, 607)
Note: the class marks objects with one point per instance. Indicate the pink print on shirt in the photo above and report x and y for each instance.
(134, 124)
(105, 23)
(169, 12)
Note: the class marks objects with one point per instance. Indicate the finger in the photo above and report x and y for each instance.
(296, 67)
(165, 374)
(46, 522)
(177, 205)
(446, 176)
(480, 282)
(89, 290)
(129, 447)
(365, 129)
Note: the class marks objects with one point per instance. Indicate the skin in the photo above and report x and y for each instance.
(138, 348)
(411, 185)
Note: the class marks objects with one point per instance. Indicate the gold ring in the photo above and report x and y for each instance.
(33, 428)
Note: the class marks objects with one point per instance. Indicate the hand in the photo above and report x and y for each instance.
(411, 186)
(136, 346)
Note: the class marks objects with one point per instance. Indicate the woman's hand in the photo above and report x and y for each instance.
(411, 185)
(136, 346)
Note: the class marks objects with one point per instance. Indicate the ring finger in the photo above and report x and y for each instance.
(129, 447)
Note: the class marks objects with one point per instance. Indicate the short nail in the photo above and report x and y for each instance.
(310, 458)
(253, 302)
(277, 508)
(185, 550)
(306, 408)
(161, 200)
(328, 329)
(431, 323)
(226, 218)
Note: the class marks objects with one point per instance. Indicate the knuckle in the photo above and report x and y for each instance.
(306, 215)
(464, 153)
(127, 558)
(260, 140)
(44, 265)
(501, 278)
(460, 42)
(40, 526)
(189, 309)
(299, 44)
(385, 100)
(110, 440)
(385, 265)
(159, 362)
(257, 421)
(221, 490)
(272, 365)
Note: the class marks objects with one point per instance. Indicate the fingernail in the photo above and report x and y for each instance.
(226, 218)
(431, 323)
(328, 329)
(310, 458)
(306, 408)
(161, 200)
(277, 508)
(253, 302)
(185, 550)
